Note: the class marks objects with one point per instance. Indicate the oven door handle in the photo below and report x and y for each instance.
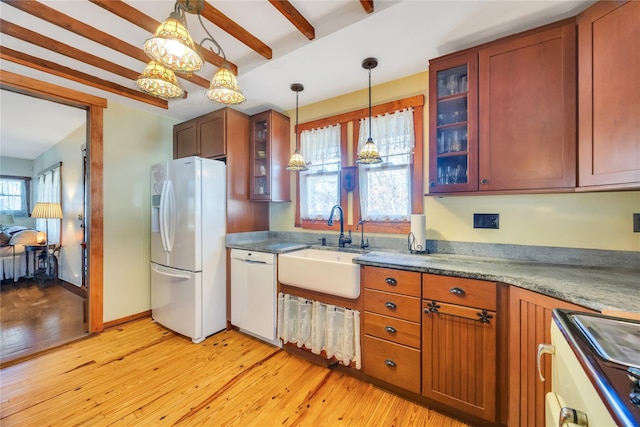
(544, 348)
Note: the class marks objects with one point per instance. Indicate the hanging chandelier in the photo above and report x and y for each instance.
(172, 50)
(369, 153)
(296, 162)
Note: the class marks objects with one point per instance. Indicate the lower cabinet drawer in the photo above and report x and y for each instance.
(395, 305)
(392, 329)
(393, 363)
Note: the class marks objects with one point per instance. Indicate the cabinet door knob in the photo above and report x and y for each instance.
(390, 363)
(390, 305)
(457, 291)
(432, 184)
(391, 281)
(390, 329)
(484, 181)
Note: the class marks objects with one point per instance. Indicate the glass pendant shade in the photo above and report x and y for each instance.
(224, 88)
(297, 163)
(159, 81)
(173, 47)
(369, 154)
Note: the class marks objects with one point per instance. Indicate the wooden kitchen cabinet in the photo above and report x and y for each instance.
(204, 136)
(527, 105)
(459, 345)
(529, 326)
(269, 156)
(609, 96)
(391, 344)
(509, 121)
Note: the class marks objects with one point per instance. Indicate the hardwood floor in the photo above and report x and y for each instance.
(142, 374)
(36, 316)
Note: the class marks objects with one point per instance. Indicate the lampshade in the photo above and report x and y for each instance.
(369, 153)
(224, 88)
(47, 210)
(159, 81)
(296, 162)
(173, 47)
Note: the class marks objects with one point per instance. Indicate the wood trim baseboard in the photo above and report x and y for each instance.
(82, 292)
(126, 319)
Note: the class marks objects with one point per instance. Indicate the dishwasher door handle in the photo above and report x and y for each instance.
(253, 261)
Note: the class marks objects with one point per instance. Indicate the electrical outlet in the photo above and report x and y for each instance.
(636, 222)
(486, 220)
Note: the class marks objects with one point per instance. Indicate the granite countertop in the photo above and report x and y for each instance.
(596, 288)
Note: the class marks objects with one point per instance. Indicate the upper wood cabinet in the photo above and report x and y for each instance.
(509, 121)
(527, 105)
(204, 136)
(269, 155)
(609, 95)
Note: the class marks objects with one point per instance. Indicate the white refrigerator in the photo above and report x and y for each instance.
(188, 254)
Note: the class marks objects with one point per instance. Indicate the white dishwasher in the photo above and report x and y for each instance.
(254, 294)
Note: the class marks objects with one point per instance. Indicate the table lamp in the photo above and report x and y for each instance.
(47, 211)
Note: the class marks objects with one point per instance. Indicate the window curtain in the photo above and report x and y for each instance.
(319, 185)
(49, 191)
(385, 188)
(320, 327)
(13, 197)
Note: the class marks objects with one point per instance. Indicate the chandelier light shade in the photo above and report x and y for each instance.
(369, 153)
(157, 80)
(224, 88)
(296, 162)
(173, 47)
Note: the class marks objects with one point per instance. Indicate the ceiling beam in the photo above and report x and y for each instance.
(134, 16)
(367, 5)
(220, 20)
(50, 67)
(68, 23)
(295, 17)
(32, 37)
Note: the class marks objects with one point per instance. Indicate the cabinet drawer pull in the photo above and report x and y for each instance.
(457, 291)
(391, 281)
(390, 305)
(390, 329)
(390, 363)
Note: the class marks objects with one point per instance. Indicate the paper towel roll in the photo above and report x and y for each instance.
(419, 231)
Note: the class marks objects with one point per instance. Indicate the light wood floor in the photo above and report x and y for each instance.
(143, 374)
(35, 316)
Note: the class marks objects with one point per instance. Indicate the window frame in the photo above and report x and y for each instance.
(348, 160)
(27, 196)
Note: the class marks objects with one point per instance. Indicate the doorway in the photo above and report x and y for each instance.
(93, 217)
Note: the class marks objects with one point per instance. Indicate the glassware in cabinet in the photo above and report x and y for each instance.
(453, 125)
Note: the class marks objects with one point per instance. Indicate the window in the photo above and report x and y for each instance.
(320, 184)
(15, 195)
(384, 196)
(386, 188)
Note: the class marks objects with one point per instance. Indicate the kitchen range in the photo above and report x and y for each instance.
(596, 370)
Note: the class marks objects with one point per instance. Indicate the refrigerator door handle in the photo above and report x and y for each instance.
(162, 215)
(173, 275)
(170, 217)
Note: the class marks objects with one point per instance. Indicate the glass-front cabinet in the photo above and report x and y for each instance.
(268, 156)
(453, 124)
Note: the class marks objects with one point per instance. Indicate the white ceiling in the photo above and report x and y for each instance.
(402, 35)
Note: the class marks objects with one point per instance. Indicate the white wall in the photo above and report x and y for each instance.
(69, 152)
(133, 141)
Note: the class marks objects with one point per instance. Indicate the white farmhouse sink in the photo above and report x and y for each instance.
(329, 272)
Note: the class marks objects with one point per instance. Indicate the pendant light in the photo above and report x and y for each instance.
(369, 153)
(172, 47)
(296, 162)
(159, 81)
